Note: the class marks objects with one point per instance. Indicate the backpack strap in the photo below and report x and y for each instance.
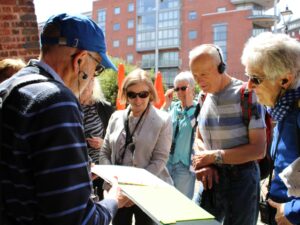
(4, 93)
(246, 102)
(248, 108)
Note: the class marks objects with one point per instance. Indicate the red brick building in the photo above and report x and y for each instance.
(18, 30)
(131, 33)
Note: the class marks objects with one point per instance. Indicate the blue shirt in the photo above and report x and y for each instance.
(184, 140)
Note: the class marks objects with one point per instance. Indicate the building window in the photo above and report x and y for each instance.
(192, 15)
(220, 38)
(169, 76)
(146, 22)
(129, 58)
(116, 26)
(102, 19)
(221, 9)
(192, 35)
(117, 10)
(130, 7)
(148, 60)
(168, 59)
(168, 37)
(169, 4)
(168, 19)
(130, 41)
(130, 24)
(116, 43)
(145, 6)
(146, 40)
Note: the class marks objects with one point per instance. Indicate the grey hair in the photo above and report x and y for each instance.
(274, 54)
(185, 76)
(97, 95)
(210, 49)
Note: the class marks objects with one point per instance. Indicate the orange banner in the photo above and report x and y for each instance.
(158, 84)
(121, 76)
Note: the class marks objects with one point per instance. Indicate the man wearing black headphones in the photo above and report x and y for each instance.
(44, 162)
(226, 148)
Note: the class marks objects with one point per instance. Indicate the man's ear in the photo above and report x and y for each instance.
(287, 81)
(78, 59)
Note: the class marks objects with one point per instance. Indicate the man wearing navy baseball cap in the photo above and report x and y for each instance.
(44, 162)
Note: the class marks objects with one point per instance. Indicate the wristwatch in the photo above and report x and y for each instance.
(218, 157)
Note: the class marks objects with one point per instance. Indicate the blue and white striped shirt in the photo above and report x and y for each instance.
(221, 122)
(44, 173)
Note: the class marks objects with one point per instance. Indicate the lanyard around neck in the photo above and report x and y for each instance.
(127, 130)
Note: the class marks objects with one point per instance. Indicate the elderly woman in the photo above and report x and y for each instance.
(272, 64)
(97, 112)
(138, 136)
(9, 67)
(182, 112)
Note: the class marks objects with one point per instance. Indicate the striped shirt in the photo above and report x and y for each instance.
(44, 173)
(220, 121)
(93, 127)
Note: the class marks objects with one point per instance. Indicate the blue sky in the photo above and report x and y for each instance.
(45, 8)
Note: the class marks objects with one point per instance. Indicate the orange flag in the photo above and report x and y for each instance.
(158, 85)
(121, 76)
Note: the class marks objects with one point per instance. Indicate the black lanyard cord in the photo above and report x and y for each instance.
(128, 138)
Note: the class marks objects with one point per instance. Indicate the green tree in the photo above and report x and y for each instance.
(109, 80)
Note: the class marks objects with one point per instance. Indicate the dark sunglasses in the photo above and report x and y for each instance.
(183, 88)
(99, 68)
(254, 79)
(142, 94)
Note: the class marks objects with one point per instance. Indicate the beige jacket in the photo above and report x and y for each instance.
(152, 142)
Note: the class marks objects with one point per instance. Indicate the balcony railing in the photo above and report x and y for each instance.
(162, 63)
(267, 4)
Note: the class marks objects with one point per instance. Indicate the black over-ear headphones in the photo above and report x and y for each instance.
(222, 65)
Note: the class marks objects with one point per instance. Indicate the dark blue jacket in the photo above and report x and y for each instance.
(44, 171)
(288, 151)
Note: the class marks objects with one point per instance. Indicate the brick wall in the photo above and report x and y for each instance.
(18, 30)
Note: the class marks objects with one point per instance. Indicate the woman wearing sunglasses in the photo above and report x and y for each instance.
(272, 63)
(182, 112)
(138, 136)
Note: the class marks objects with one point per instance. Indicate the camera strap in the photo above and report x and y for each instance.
(128, 138)
(175, 137)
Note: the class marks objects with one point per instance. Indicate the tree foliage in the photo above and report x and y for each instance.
(109, 80)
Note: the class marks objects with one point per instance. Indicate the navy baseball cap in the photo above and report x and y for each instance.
(80, 32)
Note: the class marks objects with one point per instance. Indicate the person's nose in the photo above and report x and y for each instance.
(138, 99)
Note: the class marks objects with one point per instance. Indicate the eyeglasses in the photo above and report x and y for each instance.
(99, 68)
(142, 94)
(183, 88)
(254, 79)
